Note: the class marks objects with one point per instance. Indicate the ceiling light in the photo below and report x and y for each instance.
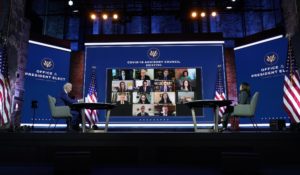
(104, 16)
(70, 3)
(93, 16)
(203, 14)
(214, 14)
(115, 16)
(194, 14)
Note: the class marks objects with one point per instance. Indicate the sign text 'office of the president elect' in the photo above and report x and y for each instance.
(46, 72)
(262, 65)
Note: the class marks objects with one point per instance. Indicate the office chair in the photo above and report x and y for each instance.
(247, 110)
(58, 112)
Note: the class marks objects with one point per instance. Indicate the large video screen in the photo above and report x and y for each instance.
(153, 92)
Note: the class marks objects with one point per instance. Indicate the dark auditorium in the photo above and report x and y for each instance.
(150, 87)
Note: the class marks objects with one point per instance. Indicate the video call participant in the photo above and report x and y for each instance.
(165, 75)
(145, 88)
(186, 86)
(142, 113)
(122, 99)
(143, 75)
(123, 75)
(122, 87)
(143, 99)
(65, 100)
(165, 87)
(165, 111)
(165, 99)
(185, 76)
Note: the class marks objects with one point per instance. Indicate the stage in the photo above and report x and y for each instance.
(133, 152)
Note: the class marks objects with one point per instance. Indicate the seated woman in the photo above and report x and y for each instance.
(244, 97)
(143, 99)
(165, 99)
(186, 86)
(185, 75)
(122, 87)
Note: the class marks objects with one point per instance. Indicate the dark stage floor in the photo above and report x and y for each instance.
(145, 152)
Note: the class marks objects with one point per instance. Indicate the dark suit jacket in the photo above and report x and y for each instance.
(145, 114)
(162, 89)
(146, 77)
(165, 78)
(125, 103)
(244, 98)
(169, 114)
(126, 77)
(148, 89)
(64, 100)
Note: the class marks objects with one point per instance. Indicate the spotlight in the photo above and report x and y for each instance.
(229, 7)
(104, 16)
(233, 0)
(70, 3)
(203, 14)
(115, 16)
(194, 14)
(214, 14)
(93, 16)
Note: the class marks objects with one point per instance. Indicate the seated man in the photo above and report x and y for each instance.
(65, 100)
(142, 113)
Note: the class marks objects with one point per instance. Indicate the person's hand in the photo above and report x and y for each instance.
(80, 100)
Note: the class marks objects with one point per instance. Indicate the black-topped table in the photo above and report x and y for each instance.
(215, 104)
(93, 106)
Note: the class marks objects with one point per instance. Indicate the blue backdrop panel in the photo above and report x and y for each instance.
(46, 72)
(262, 65)
(204, 56)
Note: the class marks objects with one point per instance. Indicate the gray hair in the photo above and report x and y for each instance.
(67, 85)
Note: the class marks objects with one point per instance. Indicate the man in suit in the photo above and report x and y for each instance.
(165, 111)
(123, 75)
(165, 87)
(166, 75)
(145, 88)
(122, 100)
(143, 75)
(65, 100)
(143, 113)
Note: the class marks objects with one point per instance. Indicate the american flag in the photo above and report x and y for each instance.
(5, 91)
(291, 89)
(92, 115)
(219, 89)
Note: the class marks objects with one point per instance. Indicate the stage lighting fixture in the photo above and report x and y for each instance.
(194, 14)
(104, 16)
(115, 16)
(228, 7)
(203, 14)
(233, 0)
(70, 3)
(93, 16)
(214, 14)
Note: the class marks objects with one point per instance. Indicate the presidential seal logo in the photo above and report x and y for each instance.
(271, 58)
(153, 53)
(47, 63)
